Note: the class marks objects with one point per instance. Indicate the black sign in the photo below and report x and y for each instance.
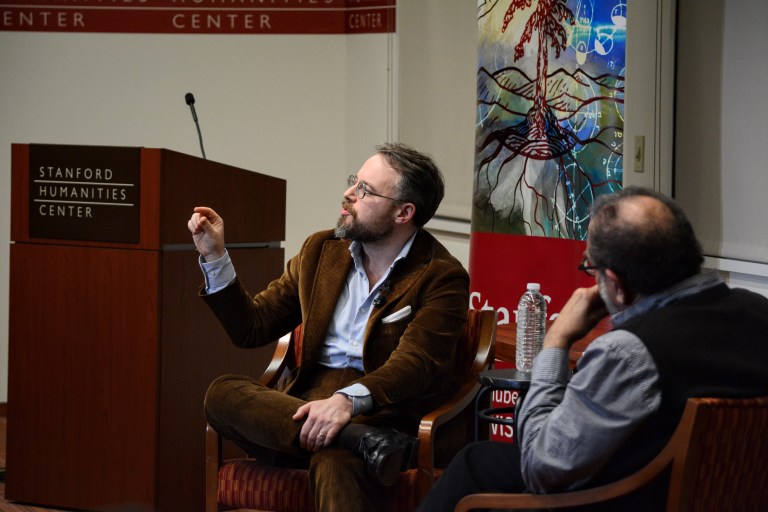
(84, 193)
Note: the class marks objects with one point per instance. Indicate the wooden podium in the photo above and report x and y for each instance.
(110, 348)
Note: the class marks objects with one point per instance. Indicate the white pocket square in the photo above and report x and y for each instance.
(397, 315)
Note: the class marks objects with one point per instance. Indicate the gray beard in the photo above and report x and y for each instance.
(609, 304)
(341, 231)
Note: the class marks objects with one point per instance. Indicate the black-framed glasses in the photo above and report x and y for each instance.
(590, 270)
(361, 189)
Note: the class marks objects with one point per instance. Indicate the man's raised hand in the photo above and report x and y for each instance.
(207, 230)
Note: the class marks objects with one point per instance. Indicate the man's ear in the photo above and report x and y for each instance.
(624, 295)
(405, 213)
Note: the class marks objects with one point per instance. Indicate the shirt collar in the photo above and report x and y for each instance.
(356, 250)
(685, 288)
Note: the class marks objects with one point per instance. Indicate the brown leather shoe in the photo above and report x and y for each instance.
(387, 452)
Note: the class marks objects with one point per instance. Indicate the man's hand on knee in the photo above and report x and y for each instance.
(323, 421)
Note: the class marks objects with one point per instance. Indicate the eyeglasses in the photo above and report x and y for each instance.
(588, 269)
(361, 189)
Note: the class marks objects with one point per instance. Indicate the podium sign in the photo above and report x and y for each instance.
(110, 348)
(84, 192)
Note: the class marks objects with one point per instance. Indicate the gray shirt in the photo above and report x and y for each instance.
(570, 428)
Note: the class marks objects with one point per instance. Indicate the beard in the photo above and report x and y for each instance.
(349, 227)
(610, 305)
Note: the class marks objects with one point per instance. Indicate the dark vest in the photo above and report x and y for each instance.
(714, 343)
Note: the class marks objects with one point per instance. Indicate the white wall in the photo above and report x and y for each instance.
(438, 88)
(721, 129)
(650, 109)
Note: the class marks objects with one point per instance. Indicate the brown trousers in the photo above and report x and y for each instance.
(258, 419)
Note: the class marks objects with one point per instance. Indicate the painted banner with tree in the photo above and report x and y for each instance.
(549, 139)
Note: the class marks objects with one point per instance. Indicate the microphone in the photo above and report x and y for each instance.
(383, 292)
(190, 99)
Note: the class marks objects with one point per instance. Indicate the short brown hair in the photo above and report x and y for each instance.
(421, 182)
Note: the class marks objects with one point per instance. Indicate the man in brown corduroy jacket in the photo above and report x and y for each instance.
(382, 305)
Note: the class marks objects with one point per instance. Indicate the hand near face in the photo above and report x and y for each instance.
(580, 314)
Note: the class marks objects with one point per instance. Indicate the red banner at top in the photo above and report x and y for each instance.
(200, 16)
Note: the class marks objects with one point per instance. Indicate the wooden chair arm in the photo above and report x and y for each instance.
(212, 465)
(568, 499)
(425, 461)
(527, 501)
(564, 499)
(486, 350)
(282, 357)
(481, 325)
(675, 448)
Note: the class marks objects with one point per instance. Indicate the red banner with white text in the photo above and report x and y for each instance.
(501, 265)
(200, 16)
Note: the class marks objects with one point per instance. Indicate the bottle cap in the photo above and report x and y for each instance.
(534, 287)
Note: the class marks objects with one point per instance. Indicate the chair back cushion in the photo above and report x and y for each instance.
(727, 468)
(245, 483)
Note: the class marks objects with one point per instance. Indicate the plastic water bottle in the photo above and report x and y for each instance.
(531, 324)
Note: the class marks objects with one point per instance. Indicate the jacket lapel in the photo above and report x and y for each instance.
(331, 277)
